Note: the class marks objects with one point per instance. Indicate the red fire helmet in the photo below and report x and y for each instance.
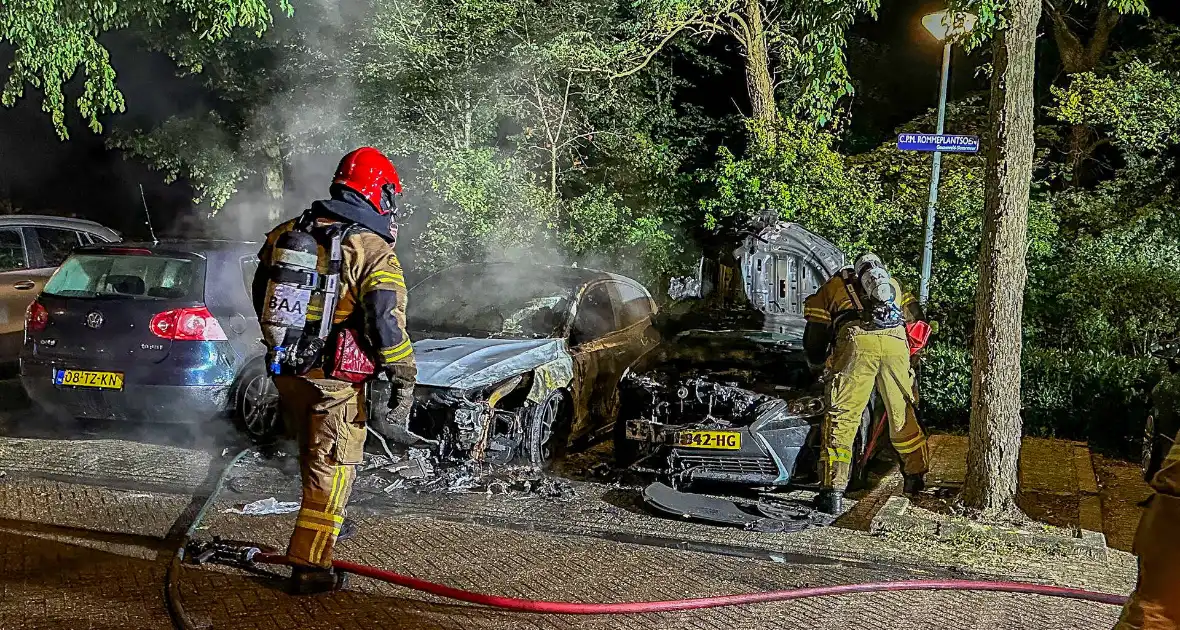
(368, 172)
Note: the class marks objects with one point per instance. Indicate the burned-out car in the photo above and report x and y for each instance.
(736, 402)
(732, 407)
(515, 362)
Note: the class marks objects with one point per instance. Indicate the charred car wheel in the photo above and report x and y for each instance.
(547, 431)
(256, 404)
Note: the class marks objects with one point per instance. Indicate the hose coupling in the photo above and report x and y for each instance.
(222, 552)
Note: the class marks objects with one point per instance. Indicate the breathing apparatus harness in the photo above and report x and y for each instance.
(295, 342)
(874, 299)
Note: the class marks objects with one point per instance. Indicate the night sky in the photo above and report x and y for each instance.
(80, 177)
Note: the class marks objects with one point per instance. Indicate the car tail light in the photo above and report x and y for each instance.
(36, 317)
(187, 324)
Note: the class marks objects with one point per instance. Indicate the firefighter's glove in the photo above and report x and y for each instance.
(397, 419)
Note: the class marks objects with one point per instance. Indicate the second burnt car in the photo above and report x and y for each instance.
(727, 396)
(515, 362)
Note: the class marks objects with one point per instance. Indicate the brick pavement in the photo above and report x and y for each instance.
(88, 557)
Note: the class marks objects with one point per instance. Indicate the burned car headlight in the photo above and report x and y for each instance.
(807, 406)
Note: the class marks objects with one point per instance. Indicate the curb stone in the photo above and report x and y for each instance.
(896, 518)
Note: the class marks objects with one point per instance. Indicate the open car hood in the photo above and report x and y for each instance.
(469, 363)
(764, 285)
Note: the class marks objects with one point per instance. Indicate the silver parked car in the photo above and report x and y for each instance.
(31, 248)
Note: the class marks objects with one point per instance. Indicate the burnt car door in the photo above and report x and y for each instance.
(599, 344)
(635, 311)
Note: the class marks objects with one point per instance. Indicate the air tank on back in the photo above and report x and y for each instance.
(288, 293)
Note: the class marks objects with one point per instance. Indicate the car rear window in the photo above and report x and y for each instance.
(137, 277)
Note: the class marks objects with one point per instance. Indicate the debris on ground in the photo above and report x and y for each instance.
(420, 471)
(770, 514)
(421, 466)
(374, 461)
(265, 507)
(244, 461)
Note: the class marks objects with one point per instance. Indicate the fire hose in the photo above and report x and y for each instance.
(248, 557)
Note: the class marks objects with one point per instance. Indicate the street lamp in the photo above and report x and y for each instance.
(945, 27)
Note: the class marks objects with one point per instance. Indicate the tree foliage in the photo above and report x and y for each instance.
(562, 132)
(1137, 106)
(510, 140)
(53, 39)
(794, 49)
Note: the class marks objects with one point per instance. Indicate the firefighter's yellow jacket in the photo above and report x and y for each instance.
(833, 306)
(372, 300)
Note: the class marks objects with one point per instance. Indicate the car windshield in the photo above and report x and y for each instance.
(489, 305)
(133, 277)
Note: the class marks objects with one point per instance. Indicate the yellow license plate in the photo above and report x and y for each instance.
(83, 378)
(722, 440)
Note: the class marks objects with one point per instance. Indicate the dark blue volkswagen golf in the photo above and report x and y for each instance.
(159, 332)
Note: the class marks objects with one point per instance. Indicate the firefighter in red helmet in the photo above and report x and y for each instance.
(331, 300)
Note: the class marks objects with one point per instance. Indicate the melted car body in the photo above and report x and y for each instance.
(517, 361)
(728, 395)
(729, 407)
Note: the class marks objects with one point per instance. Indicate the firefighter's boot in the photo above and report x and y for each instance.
(312, 580)
(829, 501)
(912, 485)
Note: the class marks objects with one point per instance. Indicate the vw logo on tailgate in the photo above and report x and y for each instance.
(94, 319)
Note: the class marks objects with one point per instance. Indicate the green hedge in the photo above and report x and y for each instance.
(1096, 397)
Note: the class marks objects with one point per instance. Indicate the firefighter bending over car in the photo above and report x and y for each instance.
(331, 299)
(1155, 604)
(864, 313)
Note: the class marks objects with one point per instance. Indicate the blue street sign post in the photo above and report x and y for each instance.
(939, 143)
(946, 28)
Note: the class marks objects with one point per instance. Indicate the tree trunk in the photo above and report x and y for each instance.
(273, 183)
(1078, 57)
(994, 454)
(553, 171)
(1081, 147)
(763, 108)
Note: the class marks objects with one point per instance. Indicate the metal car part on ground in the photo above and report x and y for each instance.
(516, 362)
(764, 515)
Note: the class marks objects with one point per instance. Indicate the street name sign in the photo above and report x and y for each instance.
(935, 142)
